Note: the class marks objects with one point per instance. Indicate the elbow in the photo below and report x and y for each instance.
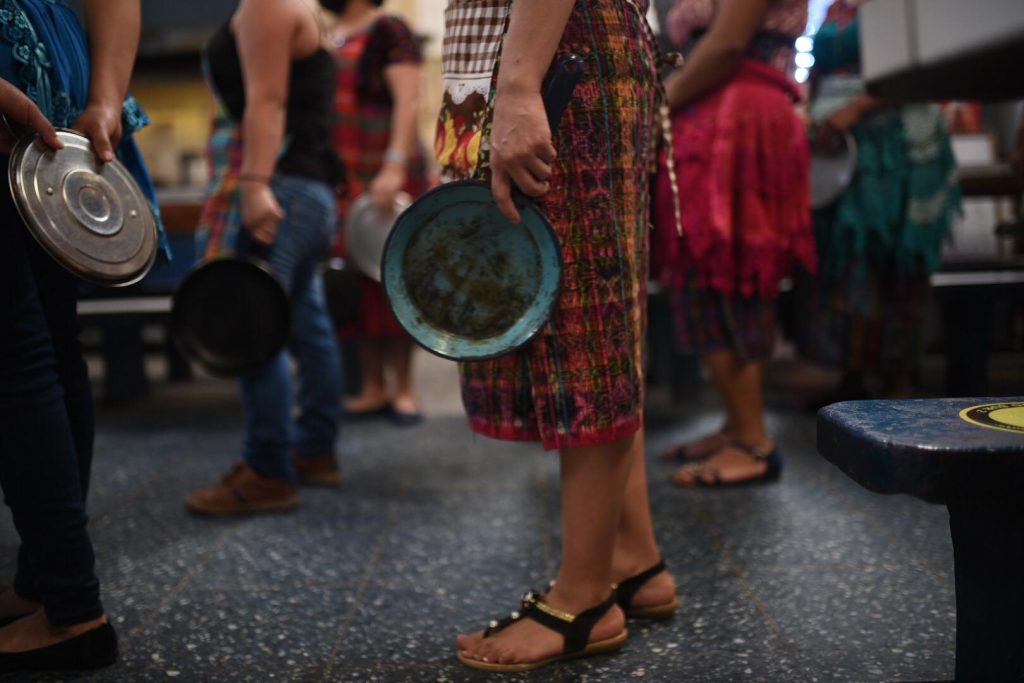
(731, 52)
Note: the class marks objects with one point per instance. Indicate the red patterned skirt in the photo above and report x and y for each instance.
(579, 381)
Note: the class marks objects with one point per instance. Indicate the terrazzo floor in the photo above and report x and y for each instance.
(437, 530)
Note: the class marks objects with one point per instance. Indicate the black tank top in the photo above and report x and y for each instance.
(309, 109)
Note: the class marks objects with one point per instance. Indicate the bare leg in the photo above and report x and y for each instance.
(399, 359)
(708, 444)
(589, 474)
(741, 386)
(372, 395)
(635, 547)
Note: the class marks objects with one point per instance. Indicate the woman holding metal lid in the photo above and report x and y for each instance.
(376, 101)
(881, 240)
(578, 385)
(52, 615)
(273, 184)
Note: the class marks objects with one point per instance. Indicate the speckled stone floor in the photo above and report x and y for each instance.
(436, 531)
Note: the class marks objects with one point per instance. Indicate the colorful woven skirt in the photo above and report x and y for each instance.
(579, 381)
(705, 321)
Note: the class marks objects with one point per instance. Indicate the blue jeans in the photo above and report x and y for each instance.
(271, 434)
(46, 427)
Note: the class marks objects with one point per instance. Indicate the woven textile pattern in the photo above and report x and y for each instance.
(580, 380)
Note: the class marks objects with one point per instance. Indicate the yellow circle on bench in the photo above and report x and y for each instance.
(1009, 417)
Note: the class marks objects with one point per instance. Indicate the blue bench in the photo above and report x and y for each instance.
(967, 453)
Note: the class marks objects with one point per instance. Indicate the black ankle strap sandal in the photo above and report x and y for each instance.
(575, 630)
(627, 589)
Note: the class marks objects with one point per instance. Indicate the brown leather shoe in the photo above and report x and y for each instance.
(319, 471)
(243, 491)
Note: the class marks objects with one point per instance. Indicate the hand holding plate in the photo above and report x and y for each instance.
(102, 125)
(521, 149)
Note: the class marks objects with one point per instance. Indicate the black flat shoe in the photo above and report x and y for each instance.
(92, 650)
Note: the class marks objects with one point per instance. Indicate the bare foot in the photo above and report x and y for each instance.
(697, 450)
(13, 606)
(34, 632)
(366, 403)
(405, 403)
(527, 641)
(728, 466)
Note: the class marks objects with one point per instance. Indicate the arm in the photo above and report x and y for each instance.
(403, 80)
(719, 51)
(521, 147)
(113, 27)
(264, 32)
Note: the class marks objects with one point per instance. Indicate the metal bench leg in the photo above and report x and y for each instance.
(986, 519)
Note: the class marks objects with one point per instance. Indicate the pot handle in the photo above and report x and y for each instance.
(245, 245)
(567, 73)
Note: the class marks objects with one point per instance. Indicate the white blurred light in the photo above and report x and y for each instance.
(801, 75)
(804, 60)
(804, 44)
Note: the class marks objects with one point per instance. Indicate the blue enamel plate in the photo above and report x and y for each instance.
(466, 282)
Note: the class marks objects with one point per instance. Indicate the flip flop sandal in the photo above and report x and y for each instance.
(627, 589)
(772, 471)
(575, 629)
(681, 452)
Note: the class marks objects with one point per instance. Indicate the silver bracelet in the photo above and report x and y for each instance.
(395, 156)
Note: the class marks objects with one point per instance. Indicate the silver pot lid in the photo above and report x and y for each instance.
(90, 216)
(832, 171)
(367, 230)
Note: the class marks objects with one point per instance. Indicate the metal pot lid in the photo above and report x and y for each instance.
(832, 171)
(90, 216)
(464, 281)
(367, 230)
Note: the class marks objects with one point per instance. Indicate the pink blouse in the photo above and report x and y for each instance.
(787, 17)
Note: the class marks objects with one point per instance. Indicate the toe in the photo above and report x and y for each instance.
(467, 641)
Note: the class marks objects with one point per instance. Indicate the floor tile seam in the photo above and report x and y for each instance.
(746, 587)
(346, 622)
(204, 559)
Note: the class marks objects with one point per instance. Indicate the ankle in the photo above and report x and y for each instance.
(757, 439)
(575, 598)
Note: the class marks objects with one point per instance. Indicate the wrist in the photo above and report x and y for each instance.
(395, 158)
(249, 179)
(108, 104)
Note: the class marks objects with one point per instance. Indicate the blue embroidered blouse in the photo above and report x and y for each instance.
(44, 52)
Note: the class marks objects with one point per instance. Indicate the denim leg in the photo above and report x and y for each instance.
(316, 350)
(39, 468)
(303, 239)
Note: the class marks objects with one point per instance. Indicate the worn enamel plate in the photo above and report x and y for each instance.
(91, 217)
(366, 232)
(832, 171)
(466, 282)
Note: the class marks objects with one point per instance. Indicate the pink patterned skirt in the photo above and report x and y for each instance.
(742, 160)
